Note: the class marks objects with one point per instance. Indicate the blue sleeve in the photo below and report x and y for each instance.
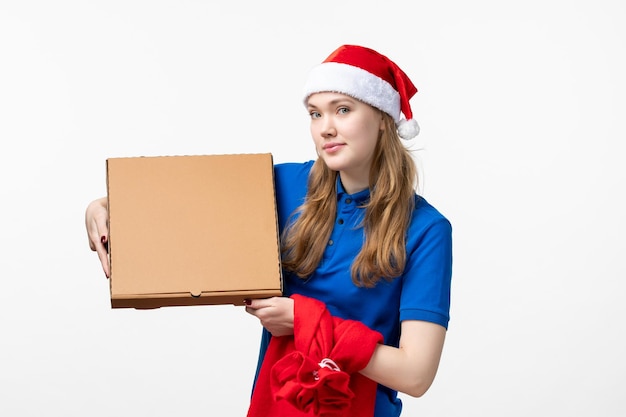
(428, 273)
(290, 181)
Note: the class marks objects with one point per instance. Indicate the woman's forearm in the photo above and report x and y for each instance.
(410, 368)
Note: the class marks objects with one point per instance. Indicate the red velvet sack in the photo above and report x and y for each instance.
(315, 371)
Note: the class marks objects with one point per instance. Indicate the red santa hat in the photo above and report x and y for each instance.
(370, 77)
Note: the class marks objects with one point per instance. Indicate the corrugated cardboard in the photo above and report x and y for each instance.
(190, 230)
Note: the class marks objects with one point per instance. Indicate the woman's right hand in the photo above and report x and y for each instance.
(96, 222)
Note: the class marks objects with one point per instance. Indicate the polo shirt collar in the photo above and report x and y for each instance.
(360, 197)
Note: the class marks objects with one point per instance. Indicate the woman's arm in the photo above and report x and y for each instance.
(412, 367)
(96, 222)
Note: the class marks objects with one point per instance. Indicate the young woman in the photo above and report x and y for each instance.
(358, 240)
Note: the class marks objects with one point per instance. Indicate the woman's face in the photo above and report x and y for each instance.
(345, 132)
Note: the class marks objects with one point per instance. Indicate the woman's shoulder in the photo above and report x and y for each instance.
(291, 181)
(429, 233)
(294, 167)
(425, 215)
(292, 172)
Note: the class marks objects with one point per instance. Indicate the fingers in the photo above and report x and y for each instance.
(97, 239)
(253, 306)
(96, 217)
(275, 314)
(259, 303)
(98, 242)
(103, 255)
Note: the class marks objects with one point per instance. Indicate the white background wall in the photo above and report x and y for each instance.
(522, 110)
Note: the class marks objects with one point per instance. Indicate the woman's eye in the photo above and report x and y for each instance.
(343, 110)
(314, 115)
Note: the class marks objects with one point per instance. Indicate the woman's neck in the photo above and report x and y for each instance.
(353, 185)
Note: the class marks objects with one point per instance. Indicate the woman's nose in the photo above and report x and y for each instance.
(328, 128)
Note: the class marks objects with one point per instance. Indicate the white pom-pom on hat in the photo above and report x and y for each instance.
(408, 129)
(370, 77)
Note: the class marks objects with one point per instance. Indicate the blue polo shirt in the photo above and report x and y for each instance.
(422, 292)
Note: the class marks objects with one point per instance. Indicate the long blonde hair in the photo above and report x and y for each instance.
(392, 182)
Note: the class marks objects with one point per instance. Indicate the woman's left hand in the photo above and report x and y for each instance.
(275, 314)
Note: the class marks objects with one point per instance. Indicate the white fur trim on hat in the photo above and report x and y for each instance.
(354, 82)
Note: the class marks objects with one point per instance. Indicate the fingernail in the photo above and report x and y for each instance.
(247, 301)
(103, 239)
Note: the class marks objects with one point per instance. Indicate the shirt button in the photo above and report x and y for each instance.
(340, 221)
(348, 200)
(331, 243)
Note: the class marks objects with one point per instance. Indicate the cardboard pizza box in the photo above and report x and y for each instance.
(192, 230)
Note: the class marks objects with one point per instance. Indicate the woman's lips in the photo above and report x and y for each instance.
(333, 147)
